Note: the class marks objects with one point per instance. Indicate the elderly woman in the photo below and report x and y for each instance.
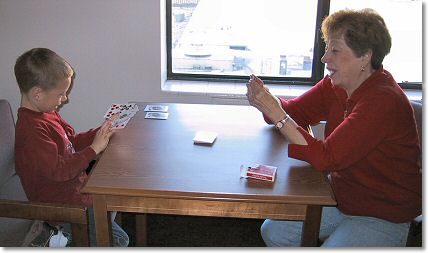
(371, 147)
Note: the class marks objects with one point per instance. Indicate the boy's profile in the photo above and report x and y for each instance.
(50, 158)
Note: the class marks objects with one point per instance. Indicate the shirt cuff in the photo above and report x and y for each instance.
(89, 154)
(301, 151)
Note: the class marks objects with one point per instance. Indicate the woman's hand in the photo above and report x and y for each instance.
(259, 96)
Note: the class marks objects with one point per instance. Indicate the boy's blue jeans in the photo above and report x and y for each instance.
(120, 238)
(338, 230)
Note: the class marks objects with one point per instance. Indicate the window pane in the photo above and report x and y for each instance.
(404, 21)
(239, 37)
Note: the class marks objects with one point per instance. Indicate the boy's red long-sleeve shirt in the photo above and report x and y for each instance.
(371, 146)
(51, 159)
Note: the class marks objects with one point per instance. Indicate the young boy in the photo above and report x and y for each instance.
(50, 158)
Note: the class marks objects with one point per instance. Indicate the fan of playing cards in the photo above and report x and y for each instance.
(126, 112)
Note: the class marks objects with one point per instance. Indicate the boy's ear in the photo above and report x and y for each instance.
(35, 93)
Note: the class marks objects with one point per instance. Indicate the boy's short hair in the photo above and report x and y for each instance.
(41, 67)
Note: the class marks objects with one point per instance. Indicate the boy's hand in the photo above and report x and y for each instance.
(102, 137)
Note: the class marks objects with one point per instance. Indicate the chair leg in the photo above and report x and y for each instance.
(414, 237)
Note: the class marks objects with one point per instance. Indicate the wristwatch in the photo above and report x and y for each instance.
(280, 124)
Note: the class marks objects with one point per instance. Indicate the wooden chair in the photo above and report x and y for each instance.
(16, 212)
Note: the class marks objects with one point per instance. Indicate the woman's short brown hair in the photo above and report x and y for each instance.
(41, 67)
(363, 30)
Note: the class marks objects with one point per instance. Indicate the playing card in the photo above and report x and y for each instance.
(126, 112)
(204, 137)
(156, 115)
(256, 79)
(122, 118)
(114, 108)
(156, 108)
(129, 109)
(120, 124)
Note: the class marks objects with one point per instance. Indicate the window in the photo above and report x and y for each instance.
(224, 40)
(404, 21)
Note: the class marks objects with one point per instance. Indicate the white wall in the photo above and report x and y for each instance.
(115, 47)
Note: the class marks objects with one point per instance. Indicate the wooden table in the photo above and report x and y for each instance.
(152, 166)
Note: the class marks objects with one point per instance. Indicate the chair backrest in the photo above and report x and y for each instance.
(12, 231)
(417, 110)
(10, 183)
(7, 142)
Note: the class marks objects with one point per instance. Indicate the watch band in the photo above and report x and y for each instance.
(280, 124)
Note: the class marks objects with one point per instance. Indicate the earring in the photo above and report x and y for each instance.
(363, 68)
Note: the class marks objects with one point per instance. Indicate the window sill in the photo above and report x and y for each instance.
(237, 90)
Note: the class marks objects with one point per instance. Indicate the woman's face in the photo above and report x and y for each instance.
(344, 66)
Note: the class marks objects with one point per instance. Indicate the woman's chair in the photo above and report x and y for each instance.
(16, 212)
(414, 238)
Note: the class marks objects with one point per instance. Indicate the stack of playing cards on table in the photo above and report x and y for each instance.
(261, 172)
(126, 112)
(156, 111)
(204, 137)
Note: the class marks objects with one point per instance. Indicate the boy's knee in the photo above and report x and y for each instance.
(121, 240)
(281, 233)
(120, 237)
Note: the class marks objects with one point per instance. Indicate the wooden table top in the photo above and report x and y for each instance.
(157, 158)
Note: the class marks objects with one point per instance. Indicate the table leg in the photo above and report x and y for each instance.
(311, 226)
(80, 235)
(141, 229)
(102, 222)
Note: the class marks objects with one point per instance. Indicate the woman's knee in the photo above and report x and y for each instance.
(368, 232)
(265, 231)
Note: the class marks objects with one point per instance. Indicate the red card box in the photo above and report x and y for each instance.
(261, 172)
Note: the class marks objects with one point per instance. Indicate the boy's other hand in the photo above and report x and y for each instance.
(102, 137)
